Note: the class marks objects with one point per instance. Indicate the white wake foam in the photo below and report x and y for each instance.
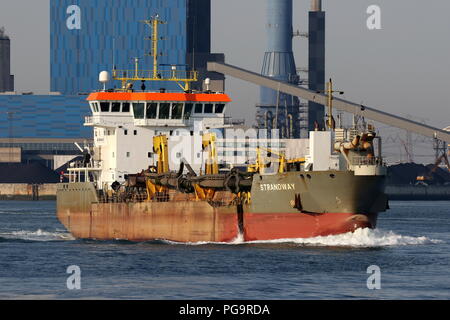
(38, 235)
(360, 238)
(236, 241)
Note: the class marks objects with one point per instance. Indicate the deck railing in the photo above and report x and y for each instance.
(366, 161)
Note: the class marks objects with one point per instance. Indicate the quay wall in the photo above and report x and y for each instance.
(23, 191)
(418, 192)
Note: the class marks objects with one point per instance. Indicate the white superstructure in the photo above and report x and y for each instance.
(124, 125)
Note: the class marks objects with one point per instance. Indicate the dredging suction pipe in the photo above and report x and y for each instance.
(234, 181)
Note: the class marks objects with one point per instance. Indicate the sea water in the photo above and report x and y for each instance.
(410, 250)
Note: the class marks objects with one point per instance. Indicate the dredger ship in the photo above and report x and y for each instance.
(125, 188)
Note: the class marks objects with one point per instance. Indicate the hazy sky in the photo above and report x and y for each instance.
(403, 68)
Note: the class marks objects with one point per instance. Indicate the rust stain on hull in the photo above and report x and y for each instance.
(199, 222)
(180, 221)
(188, 220)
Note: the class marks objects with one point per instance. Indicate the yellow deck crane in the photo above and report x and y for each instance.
(211, 165)
(209, 143)
(260, 164)
(161, 148)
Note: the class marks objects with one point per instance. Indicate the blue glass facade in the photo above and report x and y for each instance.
(43, 116)
(89, 36)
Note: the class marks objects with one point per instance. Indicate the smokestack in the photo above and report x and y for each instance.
(275, 108)
(316, 112)
(316, 5)
(3, 34)
(6, 78)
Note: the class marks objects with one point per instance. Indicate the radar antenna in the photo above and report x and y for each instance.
(181, 77)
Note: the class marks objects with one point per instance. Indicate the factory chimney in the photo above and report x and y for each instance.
(316, 112)
(278, 110)
(316, 5)
(6, 79)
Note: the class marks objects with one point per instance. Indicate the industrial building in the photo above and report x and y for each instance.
(42, 127)
(90, 36)
(278, 110)
(6, 79)
(87, 37)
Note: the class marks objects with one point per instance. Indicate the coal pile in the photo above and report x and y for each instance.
(407, 173)
(33, 173)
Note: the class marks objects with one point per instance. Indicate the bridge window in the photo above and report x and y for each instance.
(125, 107)
(220, 108)
(198, 108)
(115, 107)
(209, 108)
(104, 106)
(152, 109)
(94, 107)
(138, 109)
(164, 111)
(177, 110)
(188, 110)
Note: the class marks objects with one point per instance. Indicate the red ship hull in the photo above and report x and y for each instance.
(185, 219)
(198, 222)
(287, 226)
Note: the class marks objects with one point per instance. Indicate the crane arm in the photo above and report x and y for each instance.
(209, 143)
(339, 104)
(160, 147)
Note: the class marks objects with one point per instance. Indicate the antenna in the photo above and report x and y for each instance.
(104, 79)
(194, 37)
(182, 78)
(329, 92)
(207, 83)
(154, 23)
(114, 53)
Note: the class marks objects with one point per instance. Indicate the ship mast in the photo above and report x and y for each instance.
(181, 77)
(153, 24)
(329, 92)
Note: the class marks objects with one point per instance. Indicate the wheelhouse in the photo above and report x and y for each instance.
(159, 106)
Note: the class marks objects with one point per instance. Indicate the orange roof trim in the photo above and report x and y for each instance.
(156, 96)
